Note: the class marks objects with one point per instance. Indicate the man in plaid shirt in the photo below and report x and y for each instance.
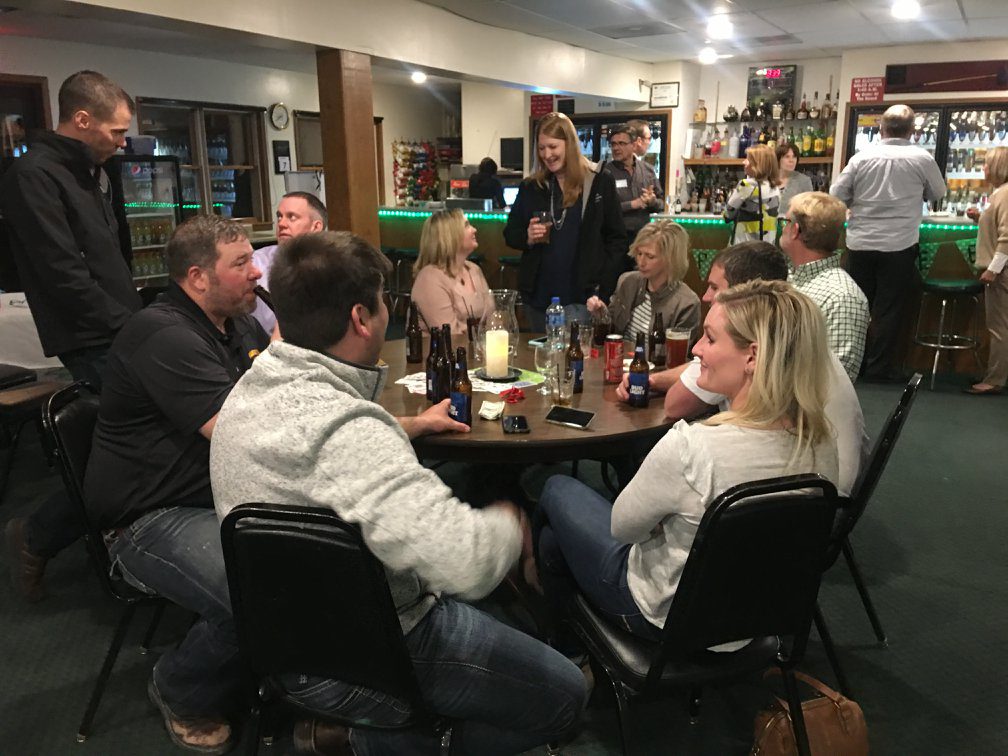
(810, 238)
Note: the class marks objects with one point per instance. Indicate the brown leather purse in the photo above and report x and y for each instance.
(835, 724)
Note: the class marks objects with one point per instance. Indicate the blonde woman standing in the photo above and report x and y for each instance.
(755, 202)
(448, 288)
(992, 252)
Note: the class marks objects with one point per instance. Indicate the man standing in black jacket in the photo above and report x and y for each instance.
(64, 240)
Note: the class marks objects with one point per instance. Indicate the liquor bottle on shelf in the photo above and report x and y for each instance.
(836, 104)
(715, 143)
(760, 113)
(700, 114)
(791, 136)
(803, 114)
(818, 143)
(806, 143)
(777, 110)
(814, 112)
(772, 137)
(733, 145)
(830, 139)
(762, 138)
(677, 206)
(744, 141)
(724, 142)
(827, 108)
(746, 113)
(790, 114)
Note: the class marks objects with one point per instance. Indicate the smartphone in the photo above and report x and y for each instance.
(514, 424)
(572, 418)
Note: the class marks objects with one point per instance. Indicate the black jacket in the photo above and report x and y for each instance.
(64, 239)
(602, 241)
(486, 186)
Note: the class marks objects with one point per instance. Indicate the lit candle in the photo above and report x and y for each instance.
(497, 354)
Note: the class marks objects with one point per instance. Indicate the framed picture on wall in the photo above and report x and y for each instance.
(665, 94)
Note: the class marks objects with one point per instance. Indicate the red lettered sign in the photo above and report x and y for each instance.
(867, 89)
(541, 105)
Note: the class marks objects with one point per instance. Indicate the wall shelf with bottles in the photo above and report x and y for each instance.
(822, 160)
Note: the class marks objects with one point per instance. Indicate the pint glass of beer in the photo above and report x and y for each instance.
(545, 219)
(676, 346)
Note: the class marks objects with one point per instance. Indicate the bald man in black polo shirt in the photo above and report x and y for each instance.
(148, 479)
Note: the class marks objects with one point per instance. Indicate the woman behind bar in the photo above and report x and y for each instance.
(764, 347)
(755, 202)
(792, 182)
(661, 251)
(568, 223)
(447, 288)
(992, 252)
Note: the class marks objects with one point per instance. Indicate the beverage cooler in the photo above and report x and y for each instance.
(957, 134)
(593, 133)
(146, 198)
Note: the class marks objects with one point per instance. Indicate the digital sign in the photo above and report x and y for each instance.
(772, 84)
(769, 73)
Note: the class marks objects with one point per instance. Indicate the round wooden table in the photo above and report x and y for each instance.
(617, 429)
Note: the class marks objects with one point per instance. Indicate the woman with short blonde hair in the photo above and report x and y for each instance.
(448, 288)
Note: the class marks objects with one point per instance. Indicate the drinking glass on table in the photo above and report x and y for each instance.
(676, 346)
(563, 387)
(544, 362)
(585, 335)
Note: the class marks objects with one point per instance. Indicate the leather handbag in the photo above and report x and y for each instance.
(835, 724)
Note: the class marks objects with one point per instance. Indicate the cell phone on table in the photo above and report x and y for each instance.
(515, 424)
(572, 418)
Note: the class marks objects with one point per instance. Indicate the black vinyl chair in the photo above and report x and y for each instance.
(308, 597)
(753, 572)
(68, 421)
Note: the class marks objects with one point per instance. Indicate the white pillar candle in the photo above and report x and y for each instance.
(497, 354)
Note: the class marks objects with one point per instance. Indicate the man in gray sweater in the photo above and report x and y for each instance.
(303, 427)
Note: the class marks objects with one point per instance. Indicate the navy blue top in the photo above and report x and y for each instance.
(556, 276)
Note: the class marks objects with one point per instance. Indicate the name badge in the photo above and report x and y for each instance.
(621, 183)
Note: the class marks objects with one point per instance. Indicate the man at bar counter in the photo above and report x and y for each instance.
(504, 691)
(298, 213)
(684, 399)
(65, 243)
(885, 185)
(637, 186)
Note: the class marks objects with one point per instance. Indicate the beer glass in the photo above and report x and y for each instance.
(676, 346)
(544, 363)
(563, 387)
(545, 219)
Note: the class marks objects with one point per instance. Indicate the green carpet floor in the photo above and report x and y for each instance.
(931, 545)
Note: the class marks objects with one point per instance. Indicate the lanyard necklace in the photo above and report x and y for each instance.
(557, 224)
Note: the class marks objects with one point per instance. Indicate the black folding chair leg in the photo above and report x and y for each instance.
(152, 628)
(110, 659)
(797, 720)
(831, 654)
(862, 590)
(8, 462)
(694, 704)
(623, 714)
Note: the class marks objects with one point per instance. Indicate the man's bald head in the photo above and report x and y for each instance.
(898, 122)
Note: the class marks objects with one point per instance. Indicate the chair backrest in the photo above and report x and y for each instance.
(68, 422)
(308, 597)
(754, 567)
(870, 475)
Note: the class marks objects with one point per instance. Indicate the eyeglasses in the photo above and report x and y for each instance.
(620, 144)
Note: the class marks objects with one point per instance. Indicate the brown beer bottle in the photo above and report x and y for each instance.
(575, 357)
(414, 336)
(435, 339)
(443, 371)
(461, 390)
(638, 374)
(656, 341)
(449, 354)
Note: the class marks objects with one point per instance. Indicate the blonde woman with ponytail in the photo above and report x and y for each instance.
(764, 347)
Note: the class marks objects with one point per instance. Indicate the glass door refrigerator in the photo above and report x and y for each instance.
(957, 134)
(147, 201)
(593, 133)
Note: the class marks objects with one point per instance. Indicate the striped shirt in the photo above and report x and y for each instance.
(640, 319)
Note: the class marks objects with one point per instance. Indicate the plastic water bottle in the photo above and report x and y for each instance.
(555, 321)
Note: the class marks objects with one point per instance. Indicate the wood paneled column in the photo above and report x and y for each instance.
(348, 143)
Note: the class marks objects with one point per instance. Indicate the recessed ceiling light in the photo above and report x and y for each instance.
(905, 10)
(707, 56)
(719, 26)
(419, 77)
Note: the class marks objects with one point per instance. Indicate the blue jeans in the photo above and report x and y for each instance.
(537, 318)
(576, 552)
(504, 691)
(176, 553)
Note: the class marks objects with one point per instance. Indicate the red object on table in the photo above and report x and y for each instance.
(513, 395)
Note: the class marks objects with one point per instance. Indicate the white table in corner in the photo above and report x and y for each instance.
(19, 340)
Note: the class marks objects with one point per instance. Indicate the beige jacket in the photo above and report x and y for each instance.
(992, 235)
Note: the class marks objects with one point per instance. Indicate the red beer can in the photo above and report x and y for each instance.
(613, 368)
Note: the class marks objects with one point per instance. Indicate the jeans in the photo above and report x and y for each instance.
(537, 318)
(576, 552)
(57, 523)
(176, 553)
(504, 691)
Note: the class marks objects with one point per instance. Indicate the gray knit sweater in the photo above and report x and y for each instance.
(303, 428)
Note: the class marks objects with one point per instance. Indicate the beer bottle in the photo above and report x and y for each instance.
(461, 390)
(435, 339)
(575, 357)
(449, 355)
(656, 341)
(443, 371)
(638, 375)
(414, 336)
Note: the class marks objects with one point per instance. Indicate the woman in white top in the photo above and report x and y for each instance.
(448, 288)
(764, 348)
(755, 201)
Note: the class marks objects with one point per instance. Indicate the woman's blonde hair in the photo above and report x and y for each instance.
(791, 379)
(997, 165)
(559, 126)
(671, 242)
(440, 240)
(763, 163)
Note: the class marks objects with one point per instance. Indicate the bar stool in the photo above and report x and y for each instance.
(505, 262)
(949, 293)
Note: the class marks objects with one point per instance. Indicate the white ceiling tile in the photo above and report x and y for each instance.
(924, 32)
(587, 14)
(815, 17)
(985, 8)
(931, 11)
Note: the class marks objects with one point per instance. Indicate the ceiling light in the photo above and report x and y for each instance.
(905, 10)
(719, 26)
(419, 77)
(707, 56)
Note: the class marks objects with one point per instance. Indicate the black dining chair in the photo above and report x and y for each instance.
(309, 598)
(68, 421)
(753, 572)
